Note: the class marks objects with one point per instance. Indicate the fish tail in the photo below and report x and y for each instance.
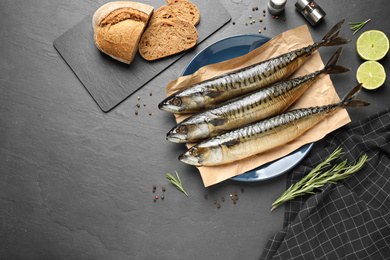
(349, 100)
(331, 67)
(332, 37)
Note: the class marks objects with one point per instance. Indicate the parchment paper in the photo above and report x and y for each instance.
(322, 92)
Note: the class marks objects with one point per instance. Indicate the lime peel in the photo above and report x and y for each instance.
(372, 45)
(372, 74)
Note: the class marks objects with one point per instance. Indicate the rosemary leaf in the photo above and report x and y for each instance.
(357, 25)
(316, 178)
(176, 182)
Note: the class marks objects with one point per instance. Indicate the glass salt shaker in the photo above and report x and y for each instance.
(276, 7)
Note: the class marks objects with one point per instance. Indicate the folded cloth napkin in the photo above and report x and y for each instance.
(347, 220)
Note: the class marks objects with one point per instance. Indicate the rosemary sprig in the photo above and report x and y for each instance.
(357, 26)
(316, 178)
(176, 183)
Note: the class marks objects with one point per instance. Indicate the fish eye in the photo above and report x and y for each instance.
(176, 101)
(182, 129)
(194, 152)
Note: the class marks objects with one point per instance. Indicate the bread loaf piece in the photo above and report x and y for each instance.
(166, 37)
(177, 8)
(118, 27)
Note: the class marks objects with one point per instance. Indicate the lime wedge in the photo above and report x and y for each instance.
(371, 74)
(372, 45)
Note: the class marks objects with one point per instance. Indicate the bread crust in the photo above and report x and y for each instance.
(167, 37)
(118, 27)
(177, 8)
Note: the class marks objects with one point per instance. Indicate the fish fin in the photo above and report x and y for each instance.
(334, 30)
(332, 67)
(358, 103)
(338, 69)
(335, 57)
(349, 100)
(217, 122)
(231, 143)
(332, 37)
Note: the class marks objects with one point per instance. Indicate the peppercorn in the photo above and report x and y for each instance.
(259, 31)
(264, 11)
(162, 197)
(261, 19)
(218, 206)
(139, 98)
(250, 17)
(234, 202)
(150, 113)
(154, 200)
(215, 202)
(150, 94)
(253, 8)
(136, 112)
(205, 197)
(284, 19)
(144, 104)
(233, 23)
(156, 196)
(223, 199)
(235, 193)
(154, 188)
(163, 189)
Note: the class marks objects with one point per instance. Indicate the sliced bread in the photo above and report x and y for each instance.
(166, 37)
(177, 8)
(118, 27)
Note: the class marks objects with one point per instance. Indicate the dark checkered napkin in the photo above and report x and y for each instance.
(347, 220)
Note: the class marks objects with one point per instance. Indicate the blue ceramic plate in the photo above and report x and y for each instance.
(230, 48)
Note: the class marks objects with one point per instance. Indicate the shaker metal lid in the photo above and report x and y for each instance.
(300, 4)
(277, 4)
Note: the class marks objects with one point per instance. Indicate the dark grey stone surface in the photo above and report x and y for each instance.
(76, 183)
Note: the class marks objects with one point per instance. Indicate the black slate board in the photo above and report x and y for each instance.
(110, 82)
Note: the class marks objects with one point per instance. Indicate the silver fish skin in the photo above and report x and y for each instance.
(208, 93)
(252, 107)
(264, 135)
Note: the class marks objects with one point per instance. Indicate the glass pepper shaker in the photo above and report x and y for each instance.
(310, 10)
(276, 7)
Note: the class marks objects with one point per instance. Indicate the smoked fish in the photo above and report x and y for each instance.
(249, 108)
(208, 93)
(265, 134)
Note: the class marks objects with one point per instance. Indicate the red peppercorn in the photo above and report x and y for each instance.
(156, 197)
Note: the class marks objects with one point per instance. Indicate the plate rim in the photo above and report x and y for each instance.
(218, 42)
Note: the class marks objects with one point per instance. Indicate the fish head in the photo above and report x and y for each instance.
(189, 131)
(183, 102)
(202, 156)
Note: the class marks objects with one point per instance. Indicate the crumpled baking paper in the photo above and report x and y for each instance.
(322, 92)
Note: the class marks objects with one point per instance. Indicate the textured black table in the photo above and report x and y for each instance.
(76, 183)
